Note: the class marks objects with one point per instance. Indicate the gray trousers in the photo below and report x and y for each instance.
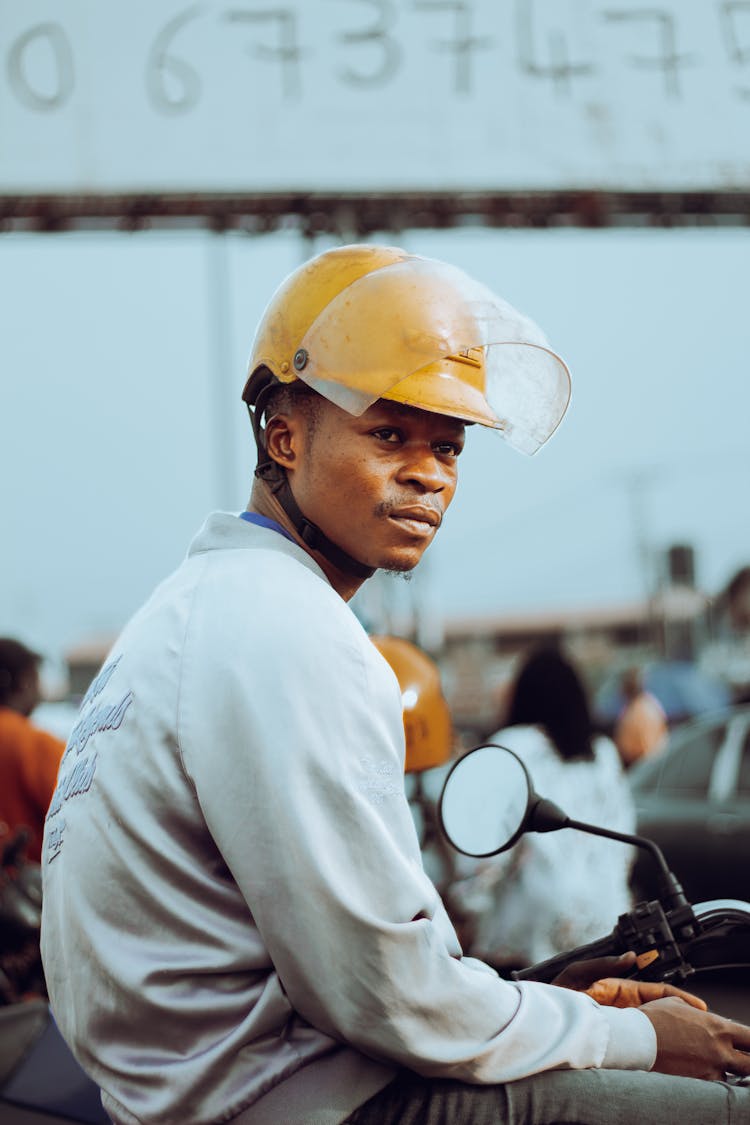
(559, 1097)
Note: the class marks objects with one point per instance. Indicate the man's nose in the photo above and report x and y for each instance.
(427, 470)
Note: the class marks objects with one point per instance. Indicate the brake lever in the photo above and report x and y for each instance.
(656, 937)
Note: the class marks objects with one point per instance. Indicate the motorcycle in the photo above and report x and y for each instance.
(488, 802)
(40, 1081)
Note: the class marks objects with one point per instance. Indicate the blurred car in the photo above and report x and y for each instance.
(683, 689)
(693, 800)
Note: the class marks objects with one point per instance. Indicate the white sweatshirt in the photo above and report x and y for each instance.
(235, 909)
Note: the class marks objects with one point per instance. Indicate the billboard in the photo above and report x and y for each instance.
(158, 96)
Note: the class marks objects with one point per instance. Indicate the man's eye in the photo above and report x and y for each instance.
(448, 448)
(387, 433)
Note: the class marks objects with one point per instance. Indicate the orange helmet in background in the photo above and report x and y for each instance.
(427, 721)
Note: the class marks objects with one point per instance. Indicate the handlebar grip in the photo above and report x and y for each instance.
(546, 971)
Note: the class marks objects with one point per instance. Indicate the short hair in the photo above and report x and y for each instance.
(15, 660)
(549, 693)
(284, 397)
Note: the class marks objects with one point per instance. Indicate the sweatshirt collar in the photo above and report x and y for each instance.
(265, 521)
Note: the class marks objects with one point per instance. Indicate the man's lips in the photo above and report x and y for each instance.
(419, 517)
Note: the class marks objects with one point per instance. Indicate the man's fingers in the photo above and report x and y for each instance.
(580, 975)
(740, 1034)
(617, 993)
(739, 1063)
(697, 1044)
(654, 990)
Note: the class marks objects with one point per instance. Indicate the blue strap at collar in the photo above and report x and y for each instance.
(264, 521)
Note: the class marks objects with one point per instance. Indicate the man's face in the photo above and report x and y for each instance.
(378, 485)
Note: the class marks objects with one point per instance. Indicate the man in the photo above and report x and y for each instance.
(641, 728)
(29, 756)
(237, 925)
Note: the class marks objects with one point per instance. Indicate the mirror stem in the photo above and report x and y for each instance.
(673, 891)
(546, 816)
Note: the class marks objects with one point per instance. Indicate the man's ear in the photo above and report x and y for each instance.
(281, 440)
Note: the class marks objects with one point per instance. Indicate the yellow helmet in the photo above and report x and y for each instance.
(427, 721)
(361, 322)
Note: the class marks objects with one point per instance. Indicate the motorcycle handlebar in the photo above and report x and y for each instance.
(658, 936)
(546, 971)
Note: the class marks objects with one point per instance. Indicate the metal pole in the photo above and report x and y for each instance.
(637, 484)
(222, 377)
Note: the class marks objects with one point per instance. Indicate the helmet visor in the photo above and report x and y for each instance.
(528, 388)
(395, 321)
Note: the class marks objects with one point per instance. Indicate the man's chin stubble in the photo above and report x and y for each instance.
(404, 572)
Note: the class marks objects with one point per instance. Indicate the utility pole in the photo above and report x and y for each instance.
(638, 483)
(223, 388)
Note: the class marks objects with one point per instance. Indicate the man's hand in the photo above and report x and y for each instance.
(697, 1044)
(580, 975)
(600, 979)
(616, 993)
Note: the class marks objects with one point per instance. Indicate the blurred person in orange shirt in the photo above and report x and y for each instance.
(641, 728)
(29, 756)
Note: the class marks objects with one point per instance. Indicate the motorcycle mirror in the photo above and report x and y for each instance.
(488, 802)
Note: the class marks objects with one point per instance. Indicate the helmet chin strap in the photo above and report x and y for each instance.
(275, 476)
(310, 534)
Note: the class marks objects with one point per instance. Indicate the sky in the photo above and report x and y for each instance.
(123, 360)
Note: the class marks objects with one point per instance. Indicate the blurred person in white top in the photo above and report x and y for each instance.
(553, 892)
